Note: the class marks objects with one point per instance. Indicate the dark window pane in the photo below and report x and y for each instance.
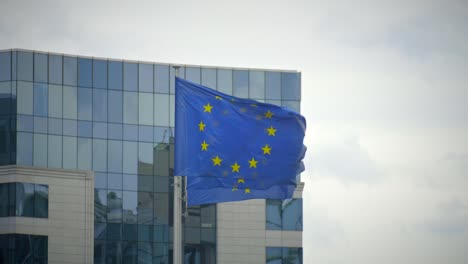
(85, 107)
(130, 204)
(5, 66)
(145, 252)
(193, 218)
(100, 231)
(192, 235)
(130, 252)
(208, 235)
(130, 232)
(41, 99)
(145, 183)
(6, 98)
(273, 85)
(274, 255)
(41, 201)
(115, 106)
(161, 184)
(292, 214)
(4, 200)
(240, 83)
(99, 74)
(114, 232)
(85, 72)
(99, 252)
(145, 77)
(40, 67)
(161, 233)
(161, 253)
(40, 249)
(100, 205)
(256, 85)
(273, 214)
(115, 75)
(24, 199)
(113, 252)
(145, 208)
(290, 86)
(24, 66)
(145, 158)
(24, 149)
(55, 69)
(208, 216)
(100, 105)
(130, 76)
(161, 78)
(114, 206)
(70, 71)
(115, 156)
(161, 208)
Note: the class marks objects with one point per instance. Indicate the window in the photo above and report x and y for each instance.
(283, 255)
(5, 66)
(19, 248)
(40, 67)
(100, 74)
(284, 215)
(290, 86)
(55, 69)
(24, 199)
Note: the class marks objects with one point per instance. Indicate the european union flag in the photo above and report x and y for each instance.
(234, 149)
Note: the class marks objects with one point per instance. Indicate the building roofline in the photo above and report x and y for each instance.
(150, 62)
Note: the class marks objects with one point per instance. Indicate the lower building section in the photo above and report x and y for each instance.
(19, 248)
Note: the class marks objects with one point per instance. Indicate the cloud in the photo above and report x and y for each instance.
(451, 219)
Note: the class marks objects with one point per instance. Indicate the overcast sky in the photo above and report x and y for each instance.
(384, 91)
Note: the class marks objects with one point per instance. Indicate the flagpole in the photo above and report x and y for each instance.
(178, 248)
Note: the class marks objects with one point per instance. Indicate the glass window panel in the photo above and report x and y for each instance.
(24, 149)
(292, 214)
(100, 251)
(208, 216)
(171, 110)
(6, 98)
(70, 102)
(161, 184)
(55, 126)
(160, 253)
(145, 77)
(14, 64)
(41, 97)
(40, 124)
(100, 105)
(41, 201)
(40, 249)
(145, 208)
(193, 74)
(130, 204)
(130, 160)
(54, 152)
(70, 127)
(115, 156)
(130, 132)
(145, 158)
(273, 85)
(240, 83)
(114, 207)
(161, 233)
(290, 86)
(208, 235)
(115, 106)
(70, 151)
(114, 232)
(115, 75)
(55, 101)
(114, 181)
(161, 208)
(85, 129)
(274, 102)
(145, 250)
(130, 110)
(40, 150)
(70, 70)
(113, 252)
(161, 110)
(225, 81)
(192, 235)
(84, 153)
(24, 199)
(25, 123)
(172, 76)
(130, 182)
(193, 218)
(4, 200)
(130, 248)
(257, 84)
(85, 106)
(294, 105)
(85, 72)
(130, 76)
(11, 199)
(274, 255)
(99, 154)
(161, 77)
(208, 77)
(115, 131)
(161, 134)
(273, 214)
(5, 66)
(145, 109)
(40, 67)
(24, 66)
(145, 183)
(100, 74)
(100, 180)
(100, 231)
(292, 255)
(145, 133)
(55, 69)
(24, 98)
(99, 130)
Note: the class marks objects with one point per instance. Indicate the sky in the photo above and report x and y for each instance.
(384, 92)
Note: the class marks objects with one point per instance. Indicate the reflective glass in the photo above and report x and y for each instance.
(25, 149)
(274, 255)
(70, 70)
(70, 152)
(25, 123)
(99, 154)
(161, 134)
(99, 252)
(161, 110)
(145, 208)
(145, 109)
(115, 156)
(100, 180)
(257, 84)
(273, 85)
(70, 127)
(115, 131)
(5, 66)
(240, 83)
(171, 110)
(225, 81)
(292, 255)
(24, 98)
(115, 75)
(208, 77)
(208, 235)
(4, 201)
(100, 105)
(5, 98)
(100, 205)
(100, 130)
(161, 233)
(114, 232)
(290, 86)
(40, 124)
(161, 208)
(130, 132)
(85, 129)
(41, 201)
(193, 218)
(130, 182)
(54, 151)
(161, 184)
(113, 251)
(40, 67)
(130, 204)
(145, 77)
(145, 183)
(130, 251)
(70, 102)
(100, 74)
(114, 207)
(41, 96)
(145, 251)
(85, 106)
(273, 214)
(172, 75)
(130, 110)
(14, 64)
(130, 76)
(208, 216)
(130, 160)
(145, 133)
(85, 72)
(161, 159)
(55, 126)
(100, 231)
(145, 158)
(160, 253)
(55, 101)
(292, 214)
(294, 105)
(55, 69)
(114, 181)
(24, 199)
(193, 74)
(84, 153)
(40, 150)
(24, 66)
(161, 78)
(192, 235)
(115, 106)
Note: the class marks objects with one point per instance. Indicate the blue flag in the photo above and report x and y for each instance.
(234, 149)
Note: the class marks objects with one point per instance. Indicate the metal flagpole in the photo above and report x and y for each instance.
(178, 248)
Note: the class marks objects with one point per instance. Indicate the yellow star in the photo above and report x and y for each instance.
(207, 108)
(234, 189)
(204, 146)
(271, 131)
(266, 149)
(216, 161)
(218, 97)
(201, 126)
(235, 167)
(268, 114)
(240, 180)
(253, 163)
(247, 190)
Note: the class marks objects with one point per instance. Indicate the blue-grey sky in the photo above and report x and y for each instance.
(384, 91)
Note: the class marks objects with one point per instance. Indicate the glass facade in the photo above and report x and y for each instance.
(24, 199)
(117, 119)
(284, 215)
(283, 255)
(19, 248)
